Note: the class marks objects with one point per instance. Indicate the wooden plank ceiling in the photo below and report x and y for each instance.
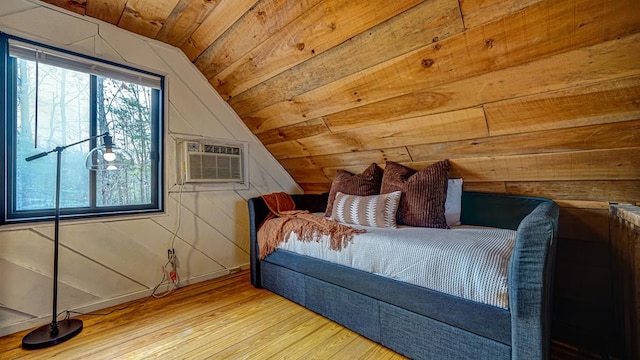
(523, 96)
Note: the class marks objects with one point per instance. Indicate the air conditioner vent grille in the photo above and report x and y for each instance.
(213, 163)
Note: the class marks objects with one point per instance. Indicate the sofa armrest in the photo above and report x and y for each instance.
(531, 282)
(258, 211)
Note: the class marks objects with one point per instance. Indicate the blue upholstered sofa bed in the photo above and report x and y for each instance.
(422, 323)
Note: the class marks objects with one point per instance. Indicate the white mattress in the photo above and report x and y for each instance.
(465, 261)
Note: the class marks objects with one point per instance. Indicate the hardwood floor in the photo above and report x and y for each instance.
(225, 318)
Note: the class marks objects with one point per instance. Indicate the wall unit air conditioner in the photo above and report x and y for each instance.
(211, 161)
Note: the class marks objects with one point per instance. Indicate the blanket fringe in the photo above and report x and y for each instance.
(305, 225)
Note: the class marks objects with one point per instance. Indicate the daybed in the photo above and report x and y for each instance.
(419, 322)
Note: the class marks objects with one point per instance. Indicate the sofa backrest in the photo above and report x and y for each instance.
(497, 210)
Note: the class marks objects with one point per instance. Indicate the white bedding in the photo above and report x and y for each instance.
(465, 261)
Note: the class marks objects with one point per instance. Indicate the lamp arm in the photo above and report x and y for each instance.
(38, 156)
(60, 148)
(106, 133)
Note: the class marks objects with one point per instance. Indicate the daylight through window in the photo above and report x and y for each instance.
(55, 98)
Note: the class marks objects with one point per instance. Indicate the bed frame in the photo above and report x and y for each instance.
(422, 323)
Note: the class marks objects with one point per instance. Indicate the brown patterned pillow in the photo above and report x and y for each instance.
(423, 193)
(364, 184)
(372, 210)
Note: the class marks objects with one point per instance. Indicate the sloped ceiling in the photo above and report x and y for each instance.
(523, 96)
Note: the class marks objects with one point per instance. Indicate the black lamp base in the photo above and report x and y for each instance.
(42, 337)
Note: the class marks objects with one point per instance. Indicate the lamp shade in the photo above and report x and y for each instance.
(107, 157)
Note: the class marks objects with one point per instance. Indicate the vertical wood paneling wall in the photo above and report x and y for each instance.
(533, 97)
(107, 262)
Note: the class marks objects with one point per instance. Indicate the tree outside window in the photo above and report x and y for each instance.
(53, 105)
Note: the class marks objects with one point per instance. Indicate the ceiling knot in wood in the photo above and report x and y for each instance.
(488, 43)
(427, 63)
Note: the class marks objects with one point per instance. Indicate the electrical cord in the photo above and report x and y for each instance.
(170, 276)
(69, 312)
(178, 223)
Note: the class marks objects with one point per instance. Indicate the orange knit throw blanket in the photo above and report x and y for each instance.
(307, 226)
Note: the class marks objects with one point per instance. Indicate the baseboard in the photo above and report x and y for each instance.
(35, 322)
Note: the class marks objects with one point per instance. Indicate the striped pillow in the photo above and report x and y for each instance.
(373, 210)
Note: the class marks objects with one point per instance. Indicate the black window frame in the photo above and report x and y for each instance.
(8, 113)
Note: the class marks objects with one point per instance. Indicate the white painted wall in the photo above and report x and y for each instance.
(110, 261)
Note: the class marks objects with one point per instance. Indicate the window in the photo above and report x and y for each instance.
(55, 98)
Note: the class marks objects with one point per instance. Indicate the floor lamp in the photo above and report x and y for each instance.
(57, 332)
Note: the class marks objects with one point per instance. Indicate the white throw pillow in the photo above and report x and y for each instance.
(453, 204)
(372, 210)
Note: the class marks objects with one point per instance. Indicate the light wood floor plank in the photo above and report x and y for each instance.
(184, 334)
(305, 346)
(252, 346)
(149, 324)
(224, 318)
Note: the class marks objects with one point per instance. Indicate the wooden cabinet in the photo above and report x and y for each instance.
(624, 227)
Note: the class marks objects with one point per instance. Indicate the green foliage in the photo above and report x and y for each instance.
(126, 113)
(123, 109)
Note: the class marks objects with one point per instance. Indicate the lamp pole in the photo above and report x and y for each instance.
(55, 333)
(56, 245)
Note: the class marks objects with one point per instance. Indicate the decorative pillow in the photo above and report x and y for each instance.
(372, 210)
(453, 204)
(366, 183)
(423, 193)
